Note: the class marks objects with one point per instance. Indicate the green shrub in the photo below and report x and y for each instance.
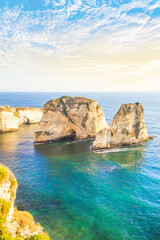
(16, 114)
(4, 207)
(57, 101)
(39, 237)
(6, 237)
(2, 226)
(66, 97)
(3, 173)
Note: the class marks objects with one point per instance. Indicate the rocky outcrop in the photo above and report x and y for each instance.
(103, 139)
(12, 118)
(127, 127)
(70, 117)
(15, 224)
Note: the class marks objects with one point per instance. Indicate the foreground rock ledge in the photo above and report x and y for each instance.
(12, 118)
(15, 224)
(127, 128)
(68, 117)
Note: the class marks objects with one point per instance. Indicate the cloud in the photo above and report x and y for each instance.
(66, 38)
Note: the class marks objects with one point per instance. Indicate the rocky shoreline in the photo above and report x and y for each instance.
(15, 224)
(12, 118)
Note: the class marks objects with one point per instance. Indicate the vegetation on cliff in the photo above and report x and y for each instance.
(15, 224)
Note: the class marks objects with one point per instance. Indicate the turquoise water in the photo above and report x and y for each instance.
(79, 194)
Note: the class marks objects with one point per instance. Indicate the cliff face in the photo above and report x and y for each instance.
(68, 117)
(12, 118)
(15, 224)
(127, 127)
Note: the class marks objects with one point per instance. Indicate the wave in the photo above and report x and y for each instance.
(111, 169)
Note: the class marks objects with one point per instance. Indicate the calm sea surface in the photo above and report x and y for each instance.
(78, 194)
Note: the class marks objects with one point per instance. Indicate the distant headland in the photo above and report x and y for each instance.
(12, 118)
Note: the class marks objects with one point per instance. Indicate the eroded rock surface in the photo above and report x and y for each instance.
(103, 139)
(12, 118)
(15, 224)
(127, 127)
(68, 117)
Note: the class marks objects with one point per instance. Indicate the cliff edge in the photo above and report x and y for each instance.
(15, 224)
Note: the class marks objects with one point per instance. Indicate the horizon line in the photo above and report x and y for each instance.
(154, 91)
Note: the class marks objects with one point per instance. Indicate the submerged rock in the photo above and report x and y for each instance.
(68, 117)
(127, 127)
(12, 118)
(15, 224)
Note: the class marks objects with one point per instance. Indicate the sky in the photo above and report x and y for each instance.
(80, 45)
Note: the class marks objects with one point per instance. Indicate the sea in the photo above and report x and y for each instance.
(79, 194)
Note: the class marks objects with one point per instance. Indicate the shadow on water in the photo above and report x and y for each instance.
(128, 156)
(58, 149)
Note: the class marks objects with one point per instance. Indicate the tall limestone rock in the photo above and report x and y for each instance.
(12, 118)
(15, 224)
(127, 127)
(68, 117)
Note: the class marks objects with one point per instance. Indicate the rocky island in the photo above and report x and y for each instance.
(68, 117)
(15, 224)
(12, 118)
(83, 118)
(127, 128)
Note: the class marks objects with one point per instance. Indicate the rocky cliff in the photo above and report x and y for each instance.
(15, 224)
(12, 118)
(70, 117)
(127, 127)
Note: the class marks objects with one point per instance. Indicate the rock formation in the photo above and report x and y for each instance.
(68, 117)
(15, 224)
(103, 139)
(127, 127)
(12, 118)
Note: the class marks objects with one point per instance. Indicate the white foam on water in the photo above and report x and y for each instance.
(115, 150)
(111, 169)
